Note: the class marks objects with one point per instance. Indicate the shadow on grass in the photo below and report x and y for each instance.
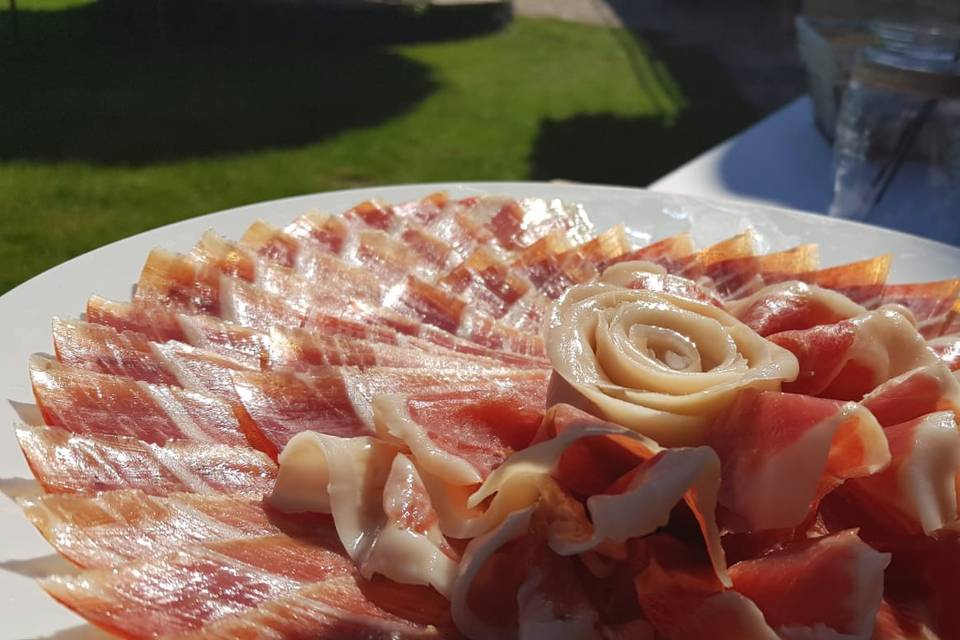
(78, 86)
(696, 106)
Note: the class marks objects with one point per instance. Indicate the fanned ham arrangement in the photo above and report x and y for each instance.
(475, 418)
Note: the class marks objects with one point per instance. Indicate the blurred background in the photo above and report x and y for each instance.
(117, 116)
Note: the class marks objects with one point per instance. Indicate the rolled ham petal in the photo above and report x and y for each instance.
(792, 305)
(848, 359)
(914, 394)
(917, 493)
(660, 364)
(782, 452)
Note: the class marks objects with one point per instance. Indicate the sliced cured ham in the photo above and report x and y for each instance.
(517, 224)
(487, 281)
(863, 281)
(286, 299)
(459, 437)
(918, 491)
(196, 586)
(740, 276)
(102, 349)
(781, 453)
(113, 527)
(697, 265)
(63, 462)
(300, 349)
(914, 394)
(161, 324)
(848, 359)
(792, 306)
(670, 253)
(91, 403)
(648, 276)
(834, 582)
(337, 400)
(931, 302)
(553, 265)
(683, 600)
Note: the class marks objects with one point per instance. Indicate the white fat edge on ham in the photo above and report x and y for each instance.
(887, 341)
(393, 422)
(947, 380)
(358, 480)
(840, 304)
(781, 489)
(928, 479)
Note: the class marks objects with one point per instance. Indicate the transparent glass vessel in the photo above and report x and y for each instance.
(897, 145)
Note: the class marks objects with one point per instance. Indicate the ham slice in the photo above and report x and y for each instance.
(102, 349)
(191, 588)
(834, 582)
(914, 394)
(670, 253)
(931, 302)
(863, 281)
(698, 265)
(918, 491)
(781, 453)
(740, 276)
(91, 403)
(114, 527)
(848, 359)
(648, 276)
(63, 462)
(161, 324)
(337, 400)
(285, 299)
(792, 306)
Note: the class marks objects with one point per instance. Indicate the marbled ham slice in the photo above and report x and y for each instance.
(553, 265)
(161, 324)
(863, 281)
(113, 527)
(917, 493)
(517, 224)
(848, 359)
(91, 403)
(488, 282)
(337, 400)
(461, 436)
(740, 276)
(696, 266)
(102, 349)
(914, 394)
(63, 462)
(189, 589)
(300, 350)
(282, 297)
(781, 453)
(670, 253)
(647, 276)
(792, 306)
(931, 302)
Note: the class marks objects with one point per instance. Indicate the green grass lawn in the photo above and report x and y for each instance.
(103, 137)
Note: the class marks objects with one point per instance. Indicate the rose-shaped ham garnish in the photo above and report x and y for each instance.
(661, 364)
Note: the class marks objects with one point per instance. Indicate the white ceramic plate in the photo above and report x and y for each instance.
(25, 313)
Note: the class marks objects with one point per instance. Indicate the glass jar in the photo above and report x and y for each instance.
(897, 146)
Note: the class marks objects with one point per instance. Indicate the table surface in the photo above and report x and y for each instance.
(782, 160)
